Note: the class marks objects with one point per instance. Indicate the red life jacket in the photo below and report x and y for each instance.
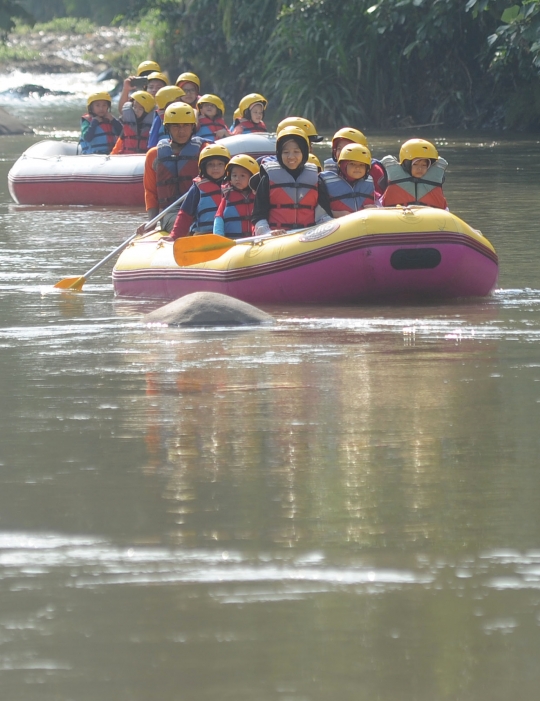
(135, 133)
(246, 126)
(208, 127)
(238, 210)
(175, 172)
(403, 189)
(292, 202)
(210, 197)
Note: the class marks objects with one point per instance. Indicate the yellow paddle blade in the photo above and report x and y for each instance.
(191, 250)
(71, 283)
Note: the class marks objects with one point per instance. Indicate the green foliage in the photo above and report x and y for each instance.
(9, 54)
(10, 10)
(60, 25)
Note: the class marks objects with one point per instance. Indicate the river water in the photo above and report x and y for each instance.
(345, 506)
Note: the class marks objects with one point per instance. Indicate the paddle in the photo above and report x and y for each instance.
(191, 250)
(76, 283)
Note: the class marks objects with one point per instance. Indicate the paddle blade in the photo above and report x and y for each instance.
(191, 250)
(71, 283)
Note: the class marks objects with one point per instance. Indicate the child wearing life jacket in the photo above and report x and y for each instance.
(287, 191)
(99, 129)
(351, 188)
(211, 123)
(164, 97)
(191, 85)
(251, 108)
(417, 178)
(198, 210)
(349, 135)
(233, 217)
(171, 166)
(137, 118)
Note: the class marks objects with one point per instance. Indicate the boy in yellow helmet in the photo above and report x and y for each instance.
(99, 129)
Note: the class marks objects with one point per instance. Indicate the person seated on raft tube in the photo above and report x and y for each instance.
(417, 178)
(198, 210)
(164, 97)
(171, 166)
(211, 123)
(137, 118)
(99, 129)
(236, 119)
(349, 135)
(287, 191)
(252, 109)
(191, 85)
(137, 82)
(233, 217)
(351, 188)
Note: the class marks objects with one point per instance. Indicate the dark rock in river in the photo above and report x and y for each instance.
(207, 309)
(29, 89)
(11, 125)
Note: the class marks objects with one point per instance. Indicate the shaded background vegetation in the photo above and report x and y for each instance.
(379, 64)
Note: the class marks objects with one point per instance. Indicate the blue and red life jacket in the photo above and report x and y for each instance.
(104, 138)
(404, 189)
(210, 197)
(345, 196)
(249, 127)
(176, 172)
(208, 127)
(237, 211)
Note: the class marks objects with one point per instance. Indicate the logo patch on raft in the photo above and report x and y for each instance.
(319, 232)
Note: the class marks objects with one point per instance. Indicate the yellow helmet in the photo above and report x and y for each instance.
(212, 100)
(147, 67)
(312, 158)
(417, 148)
(168, 94)
(291, 131)
(157, 75)
(245, 161)
(188, 78)
(237, 113)
(212, 151)
(355, 152)
(354, 135)
(304, 124)
(248, 100)
(145, 99)
(98, 96)
(179, 113)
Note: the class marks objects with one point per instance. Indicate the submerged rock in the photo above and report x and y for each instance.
(11, 125)
(207, 309)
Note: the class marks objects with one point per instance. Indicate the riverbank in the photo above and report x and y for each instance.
(66, 50)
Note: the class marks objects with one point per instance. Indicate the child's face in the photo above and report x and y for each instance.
(240, 177)
(340, 144)
(138, 109)
(100, 108)
(208, 110)
(419, 167)
(191, 91)
(256, 113)
(291, 154)
(154, 85)
(215, 168)
(356, 170)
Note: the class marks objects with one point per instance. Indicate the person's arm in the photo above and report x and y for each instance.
(124, 95)
(324, 198)
(261, 207)
(238, 129)
(219, 222)
(153, 137)
(150, 181)
(186, 214)
(118, 147)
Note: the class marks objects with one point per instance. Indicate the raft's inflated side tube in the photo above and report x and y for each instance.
(416, 252)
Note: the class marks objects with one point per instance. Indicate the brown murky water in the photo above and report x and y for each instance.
(345, 506)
